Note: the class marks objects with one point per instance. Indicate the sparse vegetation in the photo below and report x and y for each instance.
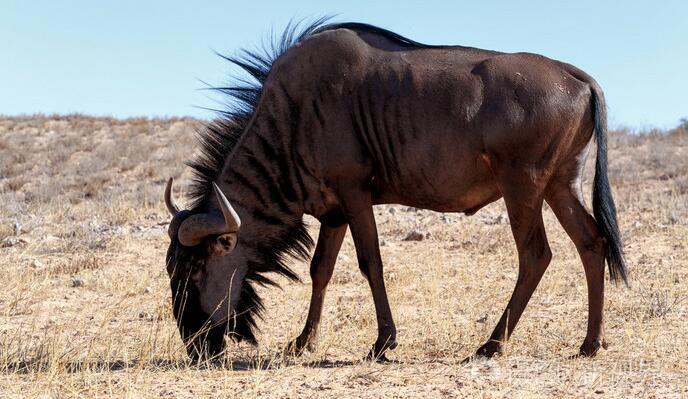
(85, 308)
(683, 124)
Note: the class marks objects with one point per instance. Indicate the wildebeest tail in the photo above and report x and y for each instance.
(602, 200)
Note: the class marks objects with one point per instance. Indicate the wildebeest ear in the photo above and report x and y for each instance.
(224, 244)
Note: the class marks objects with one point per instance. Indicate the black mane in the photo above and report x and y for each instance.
(219, 138)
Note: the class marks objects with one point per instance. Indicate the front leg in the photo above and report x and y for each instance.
(358, 209)
(329, 242)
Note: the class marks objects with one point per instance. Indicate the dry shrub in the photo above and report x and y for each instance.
(77, 264)
(6, 230)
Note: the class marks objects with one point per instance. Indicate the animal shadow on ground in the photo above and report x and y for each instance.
(244, 364)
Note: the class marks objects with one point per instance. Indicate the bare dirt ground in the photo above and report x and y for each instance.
(85, 304)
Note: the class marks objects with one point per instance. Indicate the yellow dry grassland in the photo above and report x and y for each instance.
(85, 303)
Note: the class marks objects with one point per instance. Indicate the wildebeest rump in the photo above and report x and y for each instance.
(345, 116)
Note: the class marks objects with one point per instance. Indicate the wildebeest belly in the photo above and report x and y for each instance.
(459, 182)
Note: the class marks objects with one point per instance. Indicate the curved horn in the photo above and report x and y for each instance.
(231, 218)
(169, 199)
(196, 227)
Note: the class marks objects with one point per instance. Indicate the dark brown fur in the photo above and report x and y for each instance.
(352, 115)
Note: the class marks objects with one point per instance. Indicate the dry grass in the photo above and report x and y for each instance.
(84, 310)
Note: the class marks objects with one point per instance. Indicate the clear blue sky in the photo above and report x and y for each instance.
(146, 58)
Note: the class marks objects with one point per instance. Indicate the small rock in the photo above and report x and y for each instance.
(77, 282)
(37, 264)
(392, 211)
(482, 319)
(12, 241)
(97, 245)
(118, 231)
(147, 290)
(637, 224)
(145, 315)
(414, 236)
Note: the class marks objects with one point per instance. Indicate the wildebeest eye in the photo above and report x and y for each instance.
(189, 266)
(197, 265)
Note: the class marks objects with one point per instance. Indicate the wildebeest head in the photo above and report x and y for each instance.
(204, 245)
(214, 267)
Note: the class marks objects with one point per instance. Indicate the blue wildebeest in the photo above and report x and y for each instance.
(345, 116)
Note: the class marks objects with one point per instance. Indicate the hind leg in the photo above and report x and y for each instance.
(582, 229)
(524, 205)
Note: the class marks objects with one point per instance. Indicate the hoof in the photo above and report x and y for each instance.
(378, 350)
(591, 347)
(489, 350)
(298, 346)
(382, 359)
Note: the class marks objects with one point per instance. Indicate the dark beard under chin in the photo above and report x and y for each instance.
(208, 345)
